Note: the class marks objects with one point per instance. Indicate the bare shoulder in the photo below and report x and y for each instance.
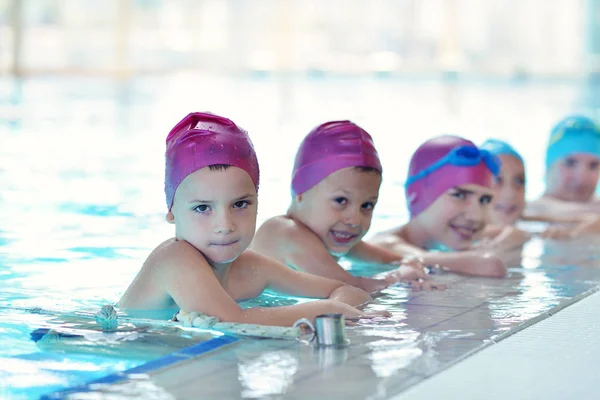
(148, 289)
(172, 252)
(278, 234)
(281, 224)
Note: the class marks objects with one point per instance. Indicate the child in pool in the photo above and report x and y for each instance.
(211, 184)
(572, 169)
(448, 192)
(509, 200)
(335, 185)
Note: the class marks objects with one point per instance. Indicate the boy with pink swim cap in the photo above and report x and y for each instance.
(335, 186)
(211, 183)
(448, 191)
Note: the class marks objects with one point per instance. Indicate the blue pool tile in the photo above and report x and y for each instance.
(204, 347)
(155, 364)
(148, 367)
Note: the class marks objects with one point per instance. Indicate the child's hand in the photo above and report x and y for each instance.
(407, 273)
(414, 275)
(515, 237)
(509, 238)
(426, 285)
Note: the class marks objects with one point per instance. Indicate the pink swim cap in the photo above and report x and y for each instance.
(445, 162)
(330, 147)
(203, 139)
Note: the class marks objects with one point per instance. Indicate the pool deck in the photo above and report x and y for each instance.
(427, 349)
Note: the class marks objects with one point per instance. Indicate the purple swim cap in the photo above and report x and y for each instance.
(445, 162)
(203, 139)
(330, 147)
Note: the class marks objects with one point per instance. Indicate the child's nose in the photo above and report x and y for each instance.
(224, 223)
(475, 211)
(352, 217)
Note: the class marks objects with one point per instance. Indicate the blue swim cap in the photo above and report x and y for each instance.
(574, 134)
(501, 148)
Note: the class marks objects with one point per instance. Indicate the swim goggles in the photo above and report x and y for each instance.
(462, 156)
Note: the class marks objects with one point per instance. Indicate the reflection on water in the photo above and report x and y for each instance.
(270, 373)
(82, 205)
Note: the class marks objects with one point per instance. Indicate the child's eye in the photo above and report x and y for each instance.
(241, 204)
(594, 166)
(202, 208)
(487, 199)
(368, 205)
(520, 182)
(570, 162)
(459, 195)
(341, 201)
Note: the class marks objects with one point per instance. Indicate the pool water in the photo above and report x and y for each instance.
(81, 201)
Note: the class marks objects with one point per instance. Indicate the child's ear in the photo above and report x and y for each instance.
(170, 217)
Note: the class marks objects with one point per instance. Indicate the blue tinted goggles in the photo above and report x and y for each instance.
(463, 156)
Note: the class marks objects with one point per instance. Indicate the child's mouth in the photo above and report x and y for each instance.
(463, 232)
(342, 237)
(224, 244)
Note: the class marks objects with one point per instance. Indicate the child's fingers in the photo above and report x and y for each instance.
(375, 314)
(426, 285)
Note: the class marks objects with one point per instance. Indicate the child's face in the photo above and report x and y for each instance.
(215, 211)
(573, 178)
(340, 207)
(457, 217)
(509, 192)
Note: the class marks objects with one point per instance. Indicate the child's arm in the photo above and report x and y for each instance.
(472, 262)
(308, 254)
(370, 253)
(189, 280)
(586, 224)
(281, 278)
(554, 210)
(577, 224)
(506, 238)
(468, 262)
(411, 268)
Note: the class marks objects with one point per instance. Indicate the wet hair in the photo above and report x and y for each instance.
(218, 167)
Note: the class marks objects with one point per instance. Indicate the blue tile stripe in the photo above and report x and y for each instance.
(173, 358)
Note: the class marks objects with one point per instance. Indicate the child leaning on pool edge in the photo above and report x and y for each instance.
(448, 192)
(335, 187)
(211, 183)
(509, 202)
